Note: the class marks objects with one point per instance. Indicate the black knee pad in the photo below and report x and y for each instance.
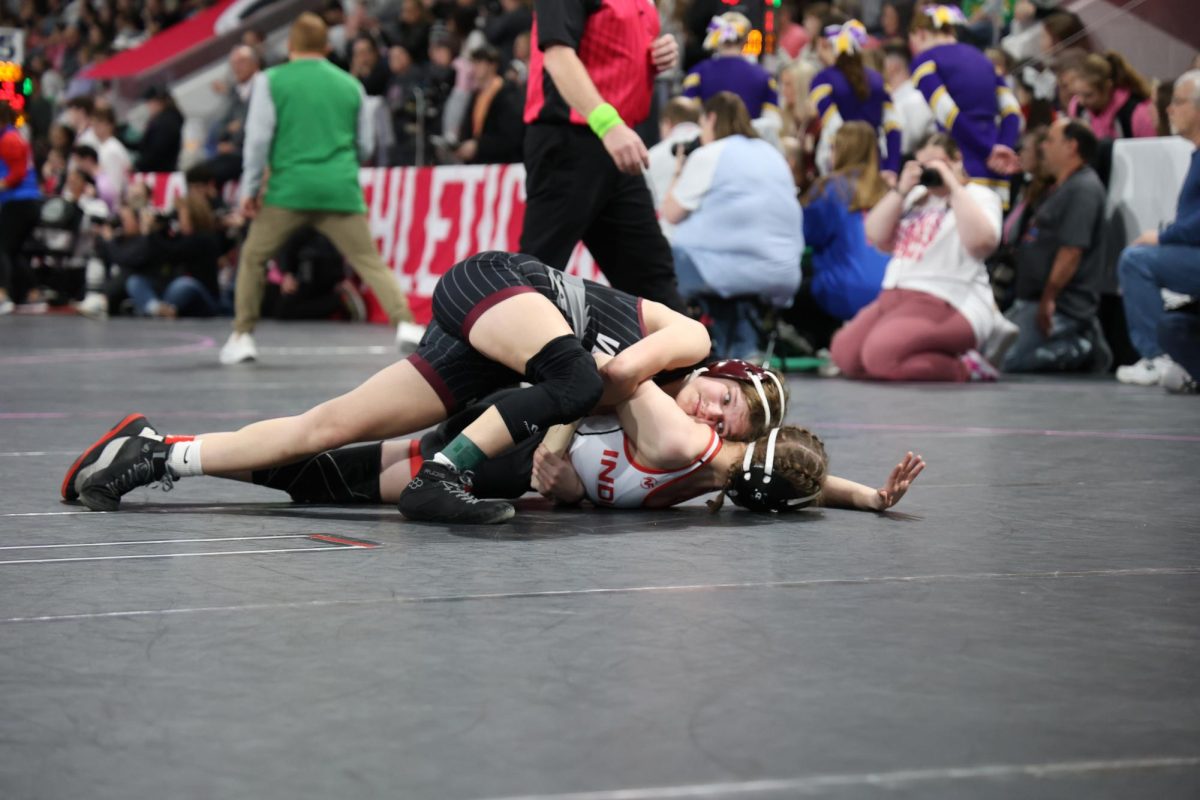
(348, 475)
(567, 386)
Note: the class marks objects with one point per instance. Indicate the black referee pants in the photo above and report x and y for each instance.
(18, 218)
(575, 192)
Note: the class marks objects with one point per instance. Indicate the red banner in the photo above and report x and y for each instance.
(425, 219)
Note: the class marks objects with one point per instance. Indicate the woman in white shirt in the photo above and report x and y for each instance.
(936, 306)
(738, 234)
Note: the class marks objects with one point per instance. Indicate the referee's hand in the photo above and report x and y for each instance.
(627, 150)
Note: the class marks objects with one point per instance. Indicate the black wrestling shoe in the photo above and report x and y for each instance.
(101, 453)
(439, 494)
(140, 461)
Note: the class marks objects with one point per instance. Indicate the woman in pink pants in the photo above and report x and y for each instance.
(936, 306)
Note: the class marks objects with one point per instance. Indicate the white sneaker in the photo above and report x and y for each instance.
(1176, 380)
(6, 307)
(979, 369)
(1000, 340)
(408, 336)
(1146, 372)
(239, 348)
(94, 305)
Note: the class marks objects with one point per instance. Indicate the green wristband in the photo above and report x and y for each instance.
(603, 119)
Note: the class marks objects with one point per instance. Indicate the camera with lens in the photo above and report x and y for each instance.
(931, 178)
(687, 148)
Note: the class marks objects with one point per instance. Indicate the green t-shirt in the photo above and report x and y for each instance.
(314, 151)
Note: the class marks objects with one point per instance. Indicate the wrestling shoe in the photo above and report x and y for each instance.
(238, 348)
(101, 453)
(439, 494)
(137, 461)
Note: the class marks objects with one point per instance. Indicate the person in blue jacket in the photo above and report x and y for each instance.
(847, 271)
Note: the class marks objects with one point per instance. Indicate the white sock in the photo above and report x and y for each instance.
(183, 459)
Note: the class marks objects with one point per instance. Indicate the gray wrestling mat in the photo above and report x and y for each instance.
(1027, 624)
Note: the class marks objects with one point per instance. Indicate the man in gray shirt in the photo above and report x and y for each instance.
(1060, 264)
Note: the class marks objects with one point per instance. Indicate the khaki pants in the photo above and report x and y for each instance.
(349, 234)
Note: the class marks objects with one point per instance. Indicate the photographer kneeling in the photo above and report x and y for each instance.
(936, 305)
(177, 276)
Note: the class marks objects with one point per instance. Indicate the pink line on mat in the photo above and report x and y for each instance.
(872, 426)
(194, 344)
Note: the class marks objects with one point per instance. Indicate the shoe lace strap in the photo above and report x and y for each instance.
(139, 473)
(167, 483)
(460, 492)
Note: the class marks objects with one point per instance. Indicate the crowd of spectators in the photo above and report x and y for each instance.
(854, 91)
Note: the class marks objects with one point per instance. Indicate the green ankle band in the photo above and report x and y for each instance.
(463, 453)
(603, 119)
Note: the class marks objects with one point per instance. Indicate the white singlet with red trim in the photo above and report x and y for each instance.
(601, 454)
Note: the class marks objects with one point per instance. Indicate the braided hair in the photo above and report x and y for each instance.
(797, 471)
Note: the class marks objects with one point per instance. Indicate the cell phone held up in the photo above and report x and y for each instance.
(931, 178)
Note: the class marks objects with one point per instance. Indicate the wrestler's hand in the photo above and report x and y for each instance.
(554, 477)
(627, 149)
(664, 52)
(898, 482)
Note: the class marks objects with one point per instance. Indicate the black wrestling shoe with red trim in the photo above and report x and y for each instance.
(138, 461)
(438, 493)
(100, 453)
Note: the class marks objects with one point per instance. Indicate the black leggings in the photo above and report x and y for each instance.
(17, 220)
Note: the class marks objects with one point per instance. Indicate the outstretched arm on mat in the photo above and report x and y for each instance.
(842, 493)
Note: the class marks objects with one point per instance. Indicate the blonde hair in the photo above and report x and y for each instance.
(308, 34)
(856, 157)
(680, 110)
(802, 73)
(800, 459)
(1112, 70)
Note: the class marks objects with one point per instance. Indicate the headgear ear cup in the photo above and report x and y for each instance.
(753, 489)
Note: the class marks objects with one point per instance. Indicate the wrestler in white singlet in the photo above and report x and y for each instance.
(602, 456)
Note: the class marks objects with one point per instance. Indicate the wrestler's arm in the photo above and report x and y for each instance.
(842, 493)
(674, 341)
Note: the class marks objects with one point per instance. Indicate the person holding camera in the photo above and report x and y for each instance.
(936, 306)
(178, 277)
(678, 132)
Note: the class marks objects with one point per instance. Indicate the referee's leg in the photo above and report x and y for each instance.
(564, 187)
(629, 245)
